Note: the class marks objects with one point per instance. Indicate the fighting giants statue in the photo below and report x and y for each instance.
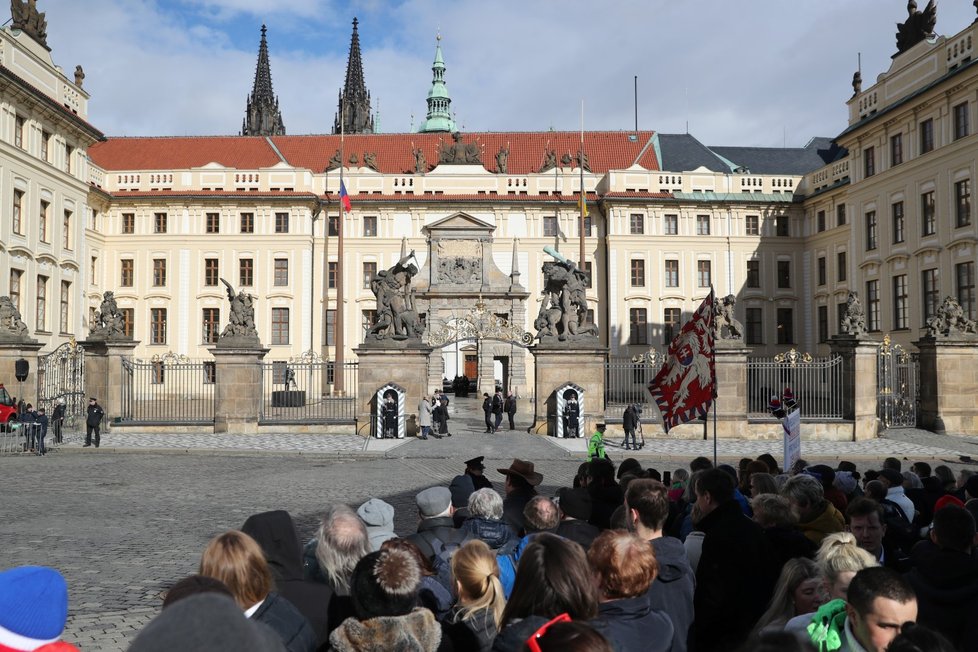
(397, 319)
(12, 326)
(240, 330)
(950, 321)
(854, 319)
(725, 325)
(109, 323)
(563, 310)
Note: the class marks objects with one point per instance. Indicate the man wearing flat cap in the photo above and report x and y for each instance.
(474, 468)
(436, 529)
(521, 482)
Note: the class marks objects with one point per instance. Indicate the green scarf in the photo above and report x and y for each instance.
(827, 626)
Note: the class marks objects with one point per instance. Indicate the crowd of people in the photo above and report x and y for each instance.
(713, 559)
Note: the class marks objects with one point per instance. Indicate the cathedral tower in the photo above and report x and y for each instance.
(439, 116)
(262, 117)
(353, 111)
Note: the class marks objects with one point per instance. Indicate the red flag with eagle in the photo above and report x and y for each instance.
(686, 385)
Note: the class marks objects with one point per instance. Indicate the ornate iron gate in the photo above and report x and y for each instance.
(61, 378)
(897, 382)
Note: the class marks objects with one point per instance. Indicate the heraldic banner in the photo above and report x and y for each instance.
(686, 385)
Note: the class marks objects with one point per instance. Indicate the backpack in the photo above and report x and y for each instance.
(899, 529)
(443, 551)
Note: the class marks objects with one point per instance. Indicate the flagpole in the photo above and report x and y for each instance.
(580, 162)
(714, 379)
(339, 376)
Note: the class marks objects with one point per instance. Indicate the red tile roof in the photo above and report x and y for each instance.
(606, 150)
(495, 198)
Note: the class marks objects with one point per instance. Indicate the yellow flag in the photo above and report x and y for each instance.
(583, 205)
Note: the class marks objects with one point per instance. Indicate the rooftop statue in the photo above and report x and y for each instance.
(854, 318)
(549, 160)
(28, 19)
(563, 309)
(420, 164)
(12, 327)
(726, 326)
(502, 159)
(397, 318)
(459, 153)
(109, 322)
(919, 25)
(241, 322)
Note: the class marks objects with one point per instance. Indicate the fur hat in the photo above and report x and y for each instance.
(575, 503)
(461, 488)
(385, 583)
(205, 622)
(433, 501)
(33, 607)
(378, 516)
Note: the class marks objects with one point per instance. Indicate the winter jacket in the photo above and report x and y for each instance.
(673, 588)
(788, 543)
(897, 495)
(514, 635)
(288, 622)
(578, 531)
(946, 584)
(631, 625)
(513, 505)
(496, 534)
(734, 579)
(435, 596)
(474, 634)
(417, 631)
(829, 521)
(440, 527)
(509, 563)
(276, 534)
(378, 516)
(424, 413)
(604, 501)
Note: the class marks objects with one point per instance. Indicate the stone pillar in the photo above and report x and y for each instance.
(10, 353)
(556, 365)
(487, 371)
(731, 401)
(949, 384)
(859, 390)
(406, 367)
(238, 388)
(104, 376)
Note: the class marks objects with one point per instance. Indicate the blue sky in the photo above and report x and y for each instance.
(761, 73)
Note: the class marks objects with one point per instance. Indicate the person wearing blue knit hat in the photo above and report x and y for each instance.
(33, 608)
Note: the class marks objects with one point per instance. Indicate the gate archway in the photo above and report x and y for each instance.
(61, 377)
(897, 384)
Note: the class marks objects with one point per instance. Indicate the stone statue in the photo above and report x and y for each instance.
(725, 325)
(28, 19)
(459, 153)
(79, 76)
(549, 161)
(950, 321)
(353, 159)
(334, 161)
(397, 318)
(857, 83)
(109, 323)
(919, 25)
(566, 159)
(370, 160)
(12, 327)
(563, 310)
(420, 164)
(502, 160)
(241, 322)
(854, 319)
(582, 160)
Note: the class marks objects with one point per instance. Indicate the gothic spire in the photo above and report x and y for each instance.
(353, 114)
(439, 116)
(262, 116)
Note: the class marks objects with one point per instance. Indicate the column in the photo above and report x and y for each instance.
(238, 388)
(731, 401)
(859, 390)
(949, 384)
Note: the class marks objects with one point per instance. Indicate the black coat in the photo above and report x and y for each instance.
(513, 505)
(93, 415)
(631, 625)
(946, 584)
(497, 404)
(441, 527)
(510, 405)
(788, 543)
(475, 634)
(291, 626)
(276, 534)
(673, 588)
(629, 420)
(734, 579)
(578, 531)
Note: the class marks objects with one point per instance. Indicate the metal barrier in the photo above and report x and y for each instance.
(626, 382)
(815, 382)
(302, 391)
(168, 389)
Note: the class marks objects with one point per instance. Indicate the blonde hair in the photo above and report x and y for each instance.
(782, 606)
(475, 568)
(237, 560)
(840, 553)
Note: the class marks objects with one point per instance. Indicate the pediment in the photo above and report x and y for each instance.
(459, 222)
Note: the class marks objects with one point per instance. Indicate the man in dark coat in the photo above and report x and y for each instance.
(575, 510)
(57, 420)
(93, 422)
(487, 411)
(474, 468)
(497, 410)
(436, 528)
(629, 422)
(509, 406)
(41, 424)
(946, 579)
(276, 534)
(735, 577)
(521, 483)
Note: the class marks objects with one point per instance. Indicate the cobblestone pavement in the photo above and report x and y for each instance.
(127, 520)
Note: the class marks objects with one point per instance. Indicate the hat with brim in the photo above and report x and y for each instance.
(476, 463)
(523, 469)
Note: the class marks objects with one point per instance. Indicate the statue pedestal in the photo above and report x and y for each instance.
(405, 367)
(572, 362)
(10, 352)
(859, 384)
(949, 384)
(104, 375)
(731, 401)
(237, 392)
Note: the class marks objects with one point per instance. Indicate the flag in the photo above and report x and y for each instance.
(686, 385)
(345, 198)
(583, 203)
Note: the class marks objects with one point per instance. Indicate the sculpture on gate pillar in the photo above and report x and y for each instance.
(854, 319)
(240, 330)
(950, 322)
(725, 325)
(12, 327)
(109, 323)
(563, 309)
(397, 318)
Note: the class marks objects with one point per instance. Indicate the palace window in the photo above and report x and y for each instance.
(931, 289)
(702, 225)
(159, 272)
(870, 230)
(368, 319)
(821, 271)
(873, 306)
(755, 326)
(17, 222)
(212, 223)
(334, 225)
(45, 143)
(636, 224)
(820, 221)
(20, 131)
(280, 325)
(896, 210)
(896, 149)
(330, 327)
(704, 273)
(753, 273)
(840, 215)
(753, 225)
(589, 281)
(281, 222)
(869, 161)
(784, 274)
(638, 326)
(43, 221)
(962, 202)
(128, 223)
(159, 223)
(926, 135)
(211, 325)
(672, 273)
(900, 298)
(369, 272)
(840, 266)
(671, 321)
(823, 323)
(781, 226)
(671, 224)
(549, 226)
(127, 317)
(42, 303)
(157, 325)
(14, 290)
(370, 227)
(65, 305)
(332, 271)
(281, 278)
(965, 280)
(928, 214)
(786, 326)
(66, 230)
(246, 272)
(247, 222)
(638, 273)
(961, 120)
(126, 272)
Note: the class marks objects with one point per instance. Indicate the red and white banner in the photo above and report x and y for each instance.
(686, 385)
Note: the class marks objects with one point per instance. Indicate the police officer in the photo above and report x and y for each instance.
(93, 422)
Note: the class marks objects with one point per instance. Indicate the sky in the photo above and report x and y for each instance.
(766, 73)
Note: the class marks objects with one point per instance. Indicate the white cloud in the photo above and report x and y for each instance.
(740, 74)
